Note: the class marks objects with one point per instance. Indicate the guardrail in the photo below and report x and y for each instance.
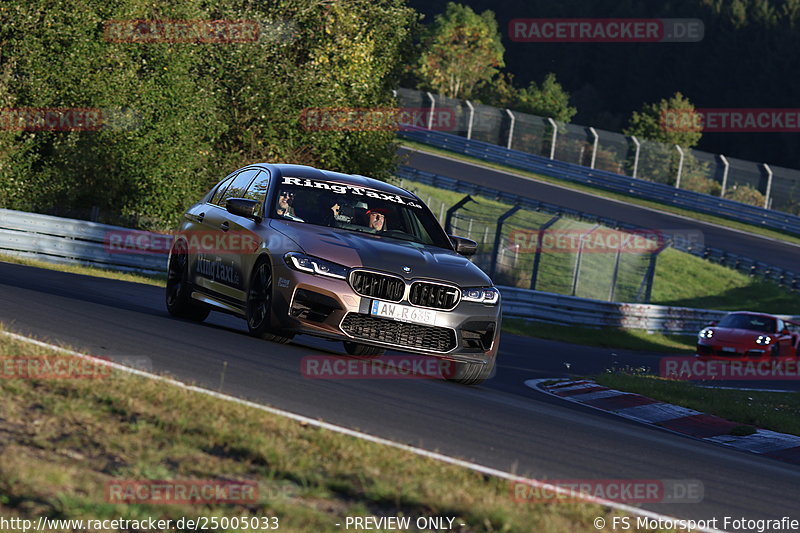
(746, 265)
(572, 311)
(659, 192)
(71, 241)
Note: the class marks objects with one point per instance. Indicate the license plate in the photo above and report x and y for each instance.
(728, 349)
(403, 313)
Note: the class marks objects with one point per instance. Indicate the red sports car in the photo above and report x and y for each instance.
(744, 334)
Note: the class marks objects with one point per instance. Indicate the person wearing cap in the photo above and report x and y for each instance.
(376, 218)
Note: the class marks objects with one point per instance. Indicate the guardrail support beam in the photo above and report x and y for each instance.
(433, 107)
(471, 117)
(537, 259)
(553, 139)
(510, 128)
(768, 196)
(680, 167)
(498, 234)
(726, 167)
(594, 146)
(636, 155)
(448, 221)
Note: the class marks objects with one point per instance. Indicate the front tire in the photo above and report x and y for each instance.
(362, 350)
(178, 299)
(467, 373)
(259, 305)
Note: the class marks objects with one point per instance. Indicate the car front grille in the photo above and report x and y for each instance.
(374, 285)
(433, 295)
(403, 334)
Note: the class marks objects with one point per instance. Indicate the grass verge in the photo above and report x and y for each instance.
(720, 221)
(777, 411)
(86, 270)
(64, 440)
(629, 339)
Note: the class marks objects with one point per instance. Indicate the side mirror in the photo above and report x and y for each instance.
(243, 207)
(711, 324)
(464, 246)
(786, 331)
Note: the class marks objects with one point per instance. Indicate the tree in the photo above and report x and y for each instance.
(461, 51)
(670, 121)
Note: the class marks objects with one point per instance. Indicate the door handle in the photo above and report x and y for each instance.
(200, 217)
(224, 226)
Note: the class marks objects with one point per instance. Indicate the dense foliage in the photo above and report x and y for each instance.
(180, 115)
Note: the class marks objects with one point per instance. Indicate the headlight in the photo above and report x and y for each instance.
(706, 333)
(315, 265)
(482, 295)
(763, 339)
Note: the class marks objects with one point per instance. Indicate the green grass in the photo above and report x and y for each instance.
(86, 271)
(629, 339)
(687, 281)
(64, 440)
(777, 411)
(757, 230)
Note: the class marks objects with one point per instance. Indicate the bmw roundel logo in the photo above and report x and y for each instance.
(407, 269)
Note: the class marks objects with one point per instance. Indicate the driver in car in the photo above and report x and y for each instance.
(285, 209)
(376, 220)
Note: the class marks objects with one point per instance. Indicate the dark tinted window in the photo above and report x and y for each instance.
(752, 322)
(218, 192)
(239, 185)
(258, 189)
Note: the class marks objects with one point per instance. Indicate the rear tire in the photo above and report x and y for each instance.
(259, 305)
(362, 350)
(467, 373)
(178, 293)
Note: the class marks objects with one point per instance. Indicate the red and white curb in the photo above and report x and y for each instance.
(678, 419)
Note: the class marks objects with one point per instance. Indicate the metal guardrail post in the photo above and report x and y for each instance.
(767, 197)
(433, 107)
(576, 273)
(538, 257)
(594, 146)
(613, 289)
(680, 167)
(636, 155)
(448, 227)
(497, 235)
(510, 128)
(471, 117)
(650, 275)
(553, 139)
(724, 175)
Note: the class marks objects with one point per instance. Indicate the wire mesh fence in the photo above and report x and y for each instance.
(745, 181)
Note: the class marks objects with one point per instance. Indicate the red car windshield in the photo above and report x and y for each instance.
(752, 322)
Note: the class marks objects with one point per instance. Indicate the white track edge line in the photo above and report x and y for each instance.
(358, 434)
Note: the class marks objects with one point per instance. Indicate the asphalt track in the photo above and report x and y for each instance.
(501, 424)
(770, 251)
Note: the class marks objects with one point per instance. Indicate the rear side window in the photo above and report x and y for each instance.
(258, 189)
(238, 186)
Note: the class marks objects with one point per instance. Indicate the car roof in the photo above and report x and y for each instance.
(303, 171)
(765, 315)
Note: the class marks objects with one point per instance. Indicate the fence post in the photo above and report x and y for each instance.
(458, 205)
(767, 199)
(594, 146)
(680, 167)
(553, 140)
(724, 175)
(497, 235)
(471, 116)
(651, 273)
(510, 128)
(433, 107)
(636, 155)
(575, 274)
(614, 276)
(537, 258)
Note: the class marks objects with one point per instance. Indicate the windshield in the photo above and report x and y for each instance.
(359, 209)
(752, 322)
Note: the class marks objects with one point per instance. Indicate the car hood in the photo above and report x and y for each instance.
(354, 249)
(734, 335)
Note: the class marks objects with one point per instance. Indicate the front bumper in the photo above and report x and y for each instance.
(329, 307)
(717, 350)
